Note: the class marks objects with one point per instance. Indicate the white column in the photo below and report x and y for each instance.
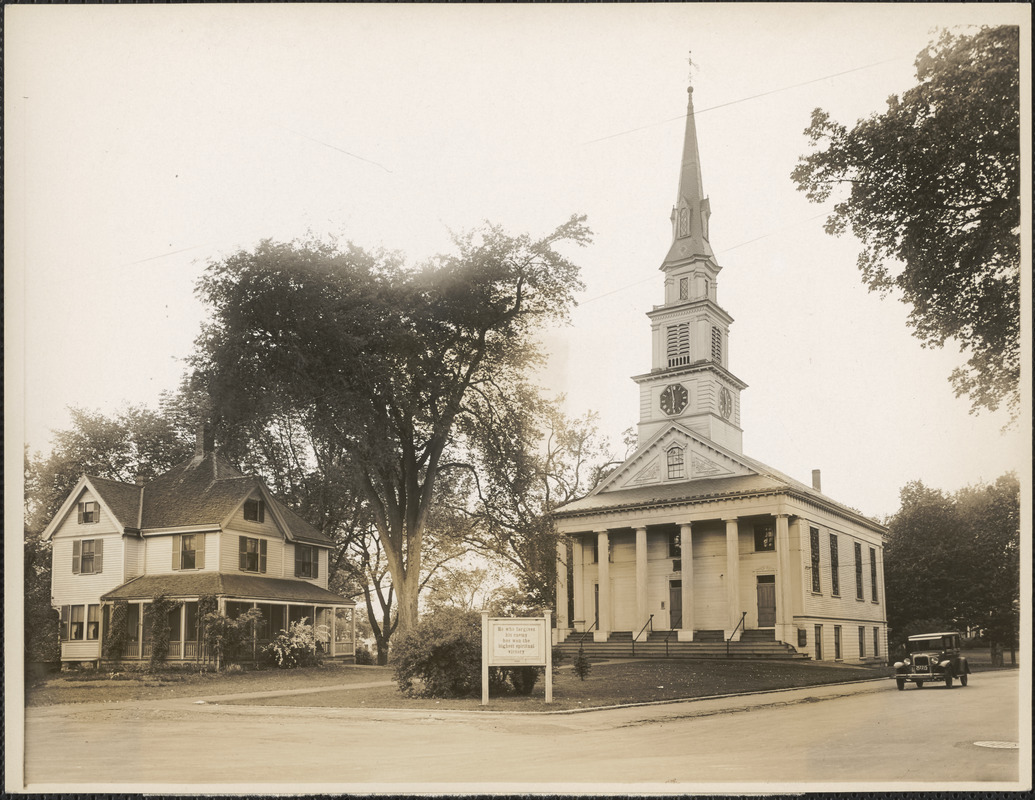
(562, 587)
(784, 613)
(603, 628)
(641, 581)
(578, 595)
(686, 555)
(732, 578)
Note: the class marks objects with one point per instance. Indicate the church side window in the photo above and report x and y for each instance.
(678, 344)
(765, 538)
(675, 462)
(716, 345)
(835, 577)
(858, 571)
(814, 553)
(873, 574)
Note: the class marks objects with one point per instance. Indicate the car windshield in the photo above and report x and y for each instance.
(918, 645)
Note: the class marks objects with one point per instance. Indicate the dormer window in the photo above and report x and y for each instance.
(89, 512)
(254, 510)
(675, 462)
(684, 222)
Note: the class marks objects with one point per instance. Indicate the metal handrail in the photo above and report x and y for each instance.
(675, 625)
(650, 621)
(742, 615)
(588, 630)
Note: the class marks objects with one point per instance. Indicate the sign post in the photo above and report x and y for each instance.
(516, 642)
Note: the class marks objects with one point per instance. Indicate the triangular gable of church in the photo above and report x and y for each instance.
(649, 464)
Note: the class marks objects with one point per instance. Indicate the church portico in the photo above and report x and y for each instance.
(697, 574)
(691, 543)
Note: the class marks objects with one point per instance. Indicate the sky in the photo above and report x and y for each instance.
(144, 141)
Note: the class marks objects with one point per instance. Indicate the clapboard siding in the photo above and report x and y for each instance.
(324, 565)
(160, 553)
(68, 588)
(135, 556)
(229, 550)
(81, 651)
(845, 607)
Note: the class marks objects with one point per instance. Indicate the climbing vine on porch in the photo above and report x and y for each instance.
(117, 635)
(157, 617)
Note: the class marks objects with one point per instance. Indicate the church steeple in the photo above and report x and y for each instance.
(690, 382)
(691, 211)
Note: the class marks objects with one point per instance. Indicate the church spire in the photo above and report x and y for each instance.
(691, 212)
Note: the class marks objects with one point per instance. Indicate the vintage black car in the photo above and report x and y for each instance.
(933, 657)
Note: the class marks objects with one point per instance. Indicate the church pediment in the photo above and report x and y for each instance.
(678, 452)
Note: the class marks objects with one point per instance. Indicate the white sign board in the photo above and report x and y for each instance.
(516, 642)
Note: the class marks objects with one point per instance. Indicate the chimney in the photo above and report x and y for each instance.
(815, 480)
(206, 440)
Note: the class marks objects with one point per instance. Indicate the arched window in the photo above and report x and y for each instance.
(675, 462)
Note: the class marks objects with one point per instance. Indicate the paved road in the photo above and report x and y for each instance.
(867, 734)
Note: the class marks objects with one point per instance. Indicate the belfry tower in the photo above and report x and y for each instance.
(689, 380)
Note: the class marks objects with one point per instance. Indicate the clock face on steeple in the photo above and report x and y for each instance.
(674, 398)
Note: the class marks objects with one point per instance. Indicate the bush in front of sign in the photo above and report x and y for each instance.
(441, 656)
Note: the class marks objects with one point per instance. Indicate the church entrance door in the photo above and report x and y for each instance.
(675, 604)
(766, 601)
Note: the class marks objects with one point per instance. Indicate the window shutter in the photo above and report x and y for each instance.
(98, 555)
(298, 560)
(316, 562)
(262, 554)
(65, 614)
(199, 551)
(80, 519)
(177, 547)
(76, 556)
(243, 551)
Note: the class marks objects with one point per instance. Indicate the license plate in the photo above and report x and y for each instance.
(921, 668)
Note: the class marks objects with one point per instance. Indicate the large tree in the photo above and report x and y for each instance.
(956, 558)
(931, 188)
(383, 360)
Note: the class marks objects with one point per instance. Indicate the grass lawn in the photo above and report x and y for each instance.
(98, 687)
(607, 684)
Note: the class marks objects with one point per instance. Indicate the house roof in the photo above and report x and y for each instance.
(203, 490)
(220, 584)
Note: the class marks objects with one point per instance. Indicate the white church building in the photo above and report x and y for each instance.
(689, 535)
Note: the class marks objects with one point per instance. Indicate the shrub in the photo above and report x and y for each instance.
(295, 647)
(523, 679)
(440, 656)
(580, 666)
(225, 637)
(363, 655)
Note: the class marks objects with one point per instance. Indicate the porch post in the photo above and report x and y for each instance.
(562, 588)
(641, 580)
(784, 612)
(686, 556)
(732, 578)
(578, 594)
(603, 628)
(334, 625)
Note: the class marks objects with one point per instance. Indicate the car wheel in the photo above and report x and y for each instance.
(948, 681)
(963, 680)
(919, 684)
(901, 683)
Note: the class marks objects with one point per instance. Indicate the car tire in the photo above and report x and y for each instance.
(948, 681)
(900, 683)
(919, 684)
(963, 680)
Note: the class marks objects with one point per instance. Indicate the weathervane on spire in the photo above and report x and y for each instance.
(689, 68)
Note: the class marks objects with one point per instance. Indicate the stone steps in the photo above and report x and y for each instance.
(620, 645)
